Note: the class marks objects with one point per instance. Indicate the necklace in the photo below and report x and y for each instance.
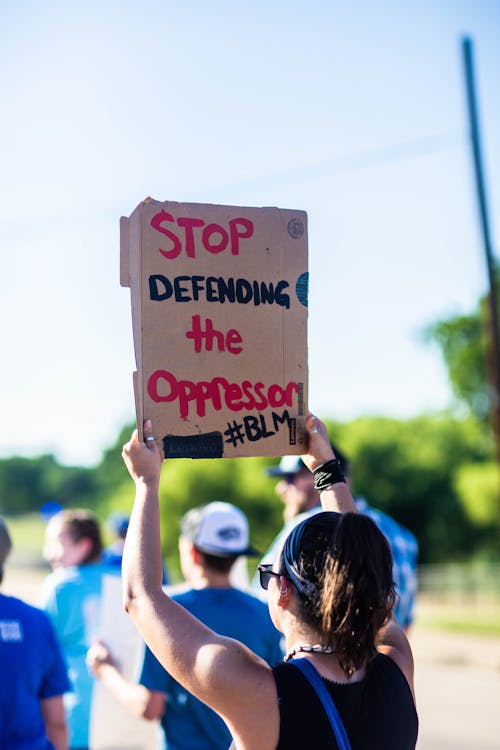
(307, 648)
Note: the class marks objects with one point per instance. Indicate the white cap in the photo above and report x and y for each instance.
(219, 529)
(287, 465)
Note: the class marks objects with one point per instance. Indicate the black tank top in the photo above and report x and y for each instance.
(378, 712)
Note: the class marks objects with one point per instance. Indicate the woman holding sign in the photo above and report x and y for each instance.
(348, 669)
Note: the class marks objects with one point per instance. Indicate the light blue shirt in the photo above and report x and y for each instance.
(72, 597)
(404, 548)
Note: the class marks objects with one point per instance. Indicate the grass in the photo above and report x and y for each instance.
(478, 615)
(27, 533)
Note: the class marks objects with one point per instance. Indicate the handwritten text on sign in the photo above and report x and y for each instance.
(196, 239)
(219, 392)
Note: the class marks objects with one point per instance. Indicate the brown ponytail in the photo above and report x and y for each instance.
(348, 560)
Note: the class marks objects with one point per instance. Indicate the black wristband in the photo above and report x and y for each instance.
(327, 474)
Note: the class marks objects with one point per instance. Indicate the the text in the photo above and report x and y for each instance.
(218, 393)
(214, 237)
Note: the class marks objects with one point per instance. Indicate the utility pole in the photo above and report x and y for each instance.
(493, 337)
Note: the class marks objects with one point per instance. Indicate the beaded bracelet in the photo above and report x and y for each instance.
(327, 474)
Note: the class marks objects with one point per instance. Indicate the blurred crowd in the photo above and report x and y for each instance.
(53, 655)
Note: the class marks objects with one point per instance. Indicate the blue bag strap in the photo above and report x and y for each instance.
(309, 670)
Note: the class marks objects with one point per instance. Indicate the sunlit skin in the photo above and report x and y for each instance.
(297, 493)
(60, 549)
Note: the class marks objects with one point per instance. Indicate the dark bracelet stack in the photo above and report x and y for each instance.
(327, 474)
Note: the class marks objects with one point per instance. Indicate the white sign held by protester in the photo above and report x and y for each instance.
(112, 725)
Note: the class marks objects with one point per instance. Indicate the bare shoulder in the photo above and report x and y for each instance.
(248, 696)
(220, 671)
(393, 642)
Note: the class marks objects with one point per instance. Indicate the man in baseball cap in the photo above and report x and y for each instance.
(296, 489)
(218, 529)
(212, 538)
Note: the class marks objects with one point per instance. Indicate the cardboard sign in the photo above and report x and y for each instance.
(112, 726)
(219, 312)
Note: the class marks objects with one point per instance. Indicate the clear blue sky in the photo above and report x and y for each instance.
(354, 112)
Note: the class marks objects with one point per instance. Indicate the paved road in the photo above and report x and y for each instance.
(457, 683)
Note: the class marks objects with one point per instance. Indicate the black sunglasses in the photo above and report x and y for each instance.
(292, 478)
(266, 572)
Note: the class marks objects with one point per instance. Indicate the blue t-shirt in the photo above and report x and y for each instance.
(72, 597)
(188, 723)
(112, 556)
(31, 669)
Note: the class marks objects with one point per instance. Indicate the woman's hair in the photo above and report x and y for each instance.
(81, 524)
(341, 566)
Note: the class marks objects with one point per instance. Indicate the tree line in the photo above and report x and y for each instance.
(434, 473)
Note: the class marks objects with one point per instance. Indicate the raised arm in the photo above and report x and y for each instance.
(220, 671)
(391, 639)
(336, 496)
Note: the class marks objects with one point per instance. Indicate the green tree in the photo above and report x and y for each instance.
(408, 468)
(411, 469)
(462, 340)
(186, 483)
(27, 483)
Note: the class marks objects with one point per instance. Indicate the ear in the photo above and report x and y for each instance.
(285, 592)
(196, 555)
(85, 545)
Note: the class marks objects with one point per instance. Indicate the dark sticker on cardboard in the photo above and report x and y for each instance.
(295, 228)
(207, 445)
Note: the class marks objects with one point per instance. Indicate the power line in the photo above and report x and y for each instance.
(359, 160)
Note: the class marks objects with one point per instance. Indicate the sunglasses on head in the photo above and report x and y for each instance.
(266, 572)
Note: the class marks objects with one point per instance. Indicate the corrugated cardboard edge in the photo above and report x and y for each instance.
(291, 327)
(130, 276)
(124, 251)
(138, 404)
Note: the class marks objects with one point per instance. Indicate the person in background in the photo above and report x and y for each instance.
(212, 538)
(71, 597)
(331, 594)
(112, 555)
(33, 675)
(301, 500)
(118, 525)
